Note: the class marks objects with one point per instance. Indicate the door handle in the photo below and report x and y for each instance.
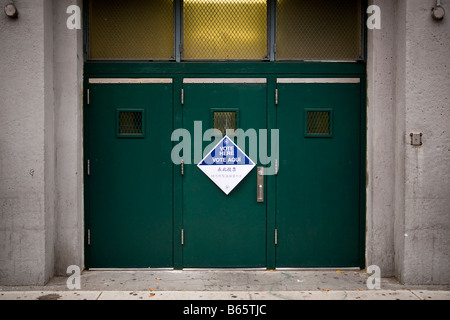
(260, 185)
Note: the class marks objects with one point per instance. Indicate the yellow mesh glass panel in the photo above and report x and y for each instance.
(224, 120)
(225, 29)
(319, 29)
(132, 29)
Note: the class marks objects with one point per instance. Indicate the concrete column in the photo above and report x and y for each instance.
(68, 74)
(381, 60)
(399, 135)
(27, 148)
(408, 215)
(427, 168)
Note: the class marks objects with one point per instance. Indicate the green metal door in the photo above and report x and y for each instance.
(219, 230)
(318, 184)
(129, 173)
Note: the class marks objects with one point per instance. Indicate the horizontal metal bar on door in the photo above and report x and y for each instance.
(225, 80)
(319, 269)
(131, 269)
(318, 80)
(225, 269)
(128, 80)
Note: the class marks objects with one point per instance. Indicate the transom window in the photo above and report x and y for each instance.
(225, 30)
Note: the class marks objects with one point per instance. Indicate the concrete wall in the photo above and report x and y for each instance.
(381, 59)
(408, 206)
(26, 144)
(427, 168)
(40, 143)
(68, 71)
(41, 153)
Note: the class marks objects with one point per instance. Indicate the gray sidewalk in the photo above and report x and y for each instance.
(224, 285)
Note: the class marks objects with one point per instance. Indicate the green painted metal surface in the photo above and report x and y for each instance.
(130, 182)
(132, 69)
(223, 231)
(316, 202)
(318, 185)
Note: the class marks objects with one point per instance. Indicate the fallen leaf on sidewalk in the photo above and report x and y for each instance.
(158, 278)
(152, 294)
(326, 290)
(339, 271)
(151, 289)
(268, 271)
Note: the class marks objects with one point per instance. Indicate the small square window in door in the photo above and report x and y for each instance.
(318, 123)
(130, 123)
(225, 119)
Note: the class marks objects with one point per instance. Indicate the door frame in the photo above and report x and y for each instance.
(269, 70)
(195, 89)
(139, 87)
(317, 82)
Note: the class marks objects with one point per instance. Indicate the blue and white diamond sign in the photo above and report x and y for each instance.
(226, 165)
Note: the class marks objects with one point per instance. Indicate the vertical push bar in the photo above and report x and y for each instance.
(260, 185)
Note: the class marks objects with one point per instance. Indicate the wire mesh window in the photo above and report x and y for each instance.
(225, 120)
(132, 29)
(319, 30)
(318, 123)
(225, 29)
(130, 123)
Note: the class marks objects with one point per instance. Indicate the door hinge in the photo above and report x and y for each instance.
(276, 236)
(182, 96)
(89, 167)
(88, 97)
(182, 237)
(276, 96)
(89, 237)
(182, 167)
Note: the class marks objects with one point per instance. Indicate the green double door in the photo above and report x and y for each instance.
(309, 215)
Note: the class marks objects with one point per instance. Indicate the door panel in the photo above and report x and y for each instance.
(319, 177)
(130, 181)
(223, 231)
(130, 186)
